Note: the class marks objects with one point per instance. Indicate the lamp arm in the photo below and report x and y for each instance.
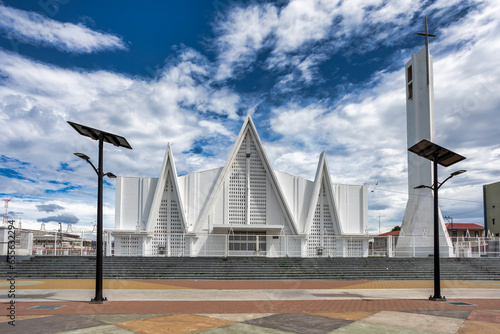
(96, 171)
(422, 186)
(441, 183)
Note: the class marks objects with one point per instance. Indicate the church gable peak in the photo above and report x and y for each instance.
(247, 191)
(322, 215)
(167, 212)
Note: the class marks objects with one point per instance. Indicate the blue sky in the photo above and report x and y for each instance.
(315, 76)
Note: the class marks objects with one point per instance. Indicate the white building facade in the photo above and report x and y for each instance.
(245, 208)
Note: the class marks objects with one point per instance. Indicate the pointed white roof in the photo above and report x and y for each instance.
(323, 178)
(248, 126)
(168, 168)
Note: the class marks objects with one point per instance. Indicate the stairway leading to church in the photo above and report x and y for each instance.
(257, 268)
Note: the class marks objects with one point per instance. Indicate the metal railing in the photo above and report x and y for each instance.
(422, 246)
(224, 245)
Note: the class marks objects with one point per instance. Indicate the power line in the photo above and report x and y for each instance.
(463, 213)
(440, 197)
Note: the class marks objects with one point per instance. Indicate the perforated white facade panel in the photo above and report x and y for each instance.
(247, 186)
(128, 245)
(238, 187)
(258, 187)
(319, 243)
(168, 236)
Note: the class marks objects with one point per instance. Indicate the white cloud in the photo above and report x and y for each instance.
(85, 211)
(292, 32)
(364, 133)
(216, 129)
(30, 27)
(302, 34)
(303, 21)
(241, 34)
(37, 99)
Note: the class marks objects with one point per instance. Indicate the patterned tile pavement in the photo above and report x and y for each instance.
(376, 322)
(385, 315)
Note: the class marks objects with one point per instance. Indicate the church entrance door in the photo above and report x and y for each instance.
(247, 243)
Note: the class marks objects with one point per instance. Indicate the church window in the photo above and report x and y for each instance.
(410, 82)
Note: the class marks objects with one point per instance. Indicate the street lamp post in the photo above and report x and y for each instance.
(444, 157)
(119, 141)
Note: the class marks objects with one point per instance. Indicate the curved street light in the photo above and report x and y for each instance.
(118, 141)
(458, 172)
(86, 158)
(444, 157)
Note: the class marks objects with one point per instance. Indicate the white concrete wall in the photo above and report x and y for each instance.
(274, 213)
(195, 190)
(420, 125)
(297, 192)
(418, 219)
(419, 120)
(133, 201)
(134, 196)
(352, 207)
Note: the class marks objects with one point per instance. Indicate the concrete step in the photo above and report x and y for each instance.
(258, 268)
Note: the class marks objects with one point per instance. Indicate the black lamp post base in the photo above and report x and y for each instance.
(438, 298)
(98, 301)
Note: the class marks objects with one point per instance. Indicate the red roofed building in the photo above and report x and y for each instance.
(380, 242)
(455, 231)
(466, 230)
(389, 233)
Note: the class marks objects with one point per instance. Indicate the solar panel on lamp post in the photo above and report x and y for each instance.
(444, 157)
(118, 141)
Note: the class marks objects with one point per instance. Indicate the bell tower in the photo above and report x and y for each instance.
(418, 219)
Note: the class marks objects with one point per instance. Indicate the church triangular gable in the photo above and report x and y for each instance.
(322, 217)
(247, 188)
(167, 214)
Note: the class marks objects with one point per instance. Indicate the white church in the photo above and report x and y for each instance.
(245, 208)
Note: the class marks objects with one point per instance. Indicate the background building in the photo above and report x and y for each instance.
(464, 230)
(466, 238)
(491, 193)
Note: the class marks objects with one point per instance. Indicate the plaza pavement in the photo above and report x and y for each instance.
(149, 306)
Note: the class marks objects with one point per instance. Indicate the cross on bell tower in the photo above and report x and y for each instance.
(426, 35)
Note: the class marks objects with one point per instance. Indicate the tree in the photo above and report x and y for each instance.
(396, 228)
